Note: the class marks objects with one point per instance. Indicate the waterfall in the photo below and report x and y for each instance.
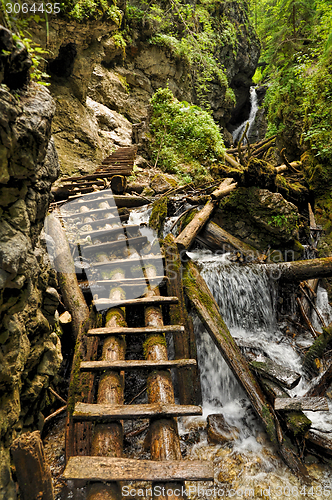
(253, 111)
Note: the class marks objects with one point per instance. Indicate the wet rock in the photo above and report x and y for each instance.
(160, 184)
(219, 431)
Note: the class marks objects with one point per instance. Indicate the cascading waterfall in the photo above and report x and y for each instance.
(253, 111)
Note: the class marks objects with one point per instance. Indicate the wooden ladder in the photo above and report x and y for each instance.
(116, 468)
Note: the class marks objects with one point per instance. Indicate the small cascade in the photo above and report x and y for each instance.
(237, 133)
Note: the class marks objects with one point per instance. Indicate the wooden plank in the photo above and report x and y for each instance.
(127, 262)
(278, 373)
(94, 200)
(86, 411)
(135, 364)
(136, 331)
(144, 301)
(110, 245)
(125, 469)
(133, 281)
(304, 404)
(97, 211)
(108, 220)
(103, 232)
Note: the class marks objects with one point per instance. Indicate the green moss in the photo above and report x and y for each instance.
(153, 340)
(116, 313)
(158, 215)
(269, 424)
(297, 423)
(316, 351)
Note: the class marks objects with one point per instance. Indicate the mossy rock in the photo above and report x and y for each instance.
(158, 215)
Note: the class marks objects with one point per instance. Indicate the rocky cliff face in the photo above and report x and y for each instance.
(30, 349)
(88, 61)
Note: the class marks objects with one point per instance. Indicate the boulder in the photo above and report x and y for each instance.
(219, 431)
(160, 184)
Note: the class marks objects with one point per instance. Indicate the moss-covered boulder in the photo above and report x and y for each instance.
(261, 219)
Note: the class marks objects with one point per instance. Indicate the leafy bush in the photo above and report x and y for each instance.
(82, 10)
(185, 138)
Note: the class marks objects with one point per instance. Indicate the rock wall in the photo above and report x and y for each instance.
(30, 349)
(86, 60)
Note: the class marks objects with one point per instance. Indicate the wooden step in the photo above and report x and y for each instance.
(96, 412)
(105, 232)
(144, 330)
(135, 364)
(143, 301)
(301, 404)
(128, 261)
(94, 200)
(97, 211)
(126, 469)
(133, 281)
(111, 245)
(102, 222)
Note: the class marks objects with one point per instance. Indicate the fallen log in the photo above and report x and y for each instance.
(296, 421)
(263, 148)
(283, 167)
(300, 270)
(280, 374)
(208, 311)
(316, 351)
(322, 441)
(322, 384)
(253, 146)
(32, 471)
(216, 238)
(187, 236)
(118, 184)
(184, 342)
(304, 404)
(63, 262)
(233, 162)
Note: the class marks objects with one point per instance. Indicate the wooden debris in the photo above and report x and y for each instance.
(32, 471)
(311, 359)
(304, 404)
(136, 331)
(306, 319)
(147, 301)
(136, 364)
(322, 384)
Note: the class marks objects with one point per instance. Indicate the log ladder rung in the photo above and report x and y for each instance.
(125, 469)
(109, 245)
(144, 301)
(102, 412)
(136, 364)
(136, 331)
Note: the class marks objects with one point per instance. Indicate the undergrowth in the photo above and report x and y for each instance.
(185, 140)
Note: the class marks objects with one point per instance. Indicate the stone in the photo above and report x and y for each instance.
(219, 431)
(159, 184)
(18, 216)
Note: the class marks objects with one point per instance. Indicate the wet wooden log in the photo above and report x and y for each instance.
(263, 148)
(303, 404)
(108, 437)
(300, 270)
(118, 184)
(278, 373)
(185, 341)
(322, 384)
(254, 146)
(163, 433)
(187, 236)
(296, 422)
(63, 262)
(320, 441)
(208, 311)
(306, 318)
(216, 238)
(32, 471)
(283, 168)
(316, 351)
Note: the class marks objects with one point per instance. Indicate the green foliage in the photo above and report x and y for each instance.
(82, 10)
(193, 34)
(185, 138)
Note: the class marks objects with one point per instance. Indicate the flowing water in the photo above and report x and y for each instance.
(248, 466)
(237, 133)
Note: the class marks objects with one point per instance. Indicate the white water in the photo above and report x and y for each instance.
(253, 111)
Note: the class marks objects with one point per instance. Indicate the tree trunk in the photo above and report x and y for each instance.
(184, 342)
(216, 238)
(208, 311)
(300, 270)
(63, 262)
